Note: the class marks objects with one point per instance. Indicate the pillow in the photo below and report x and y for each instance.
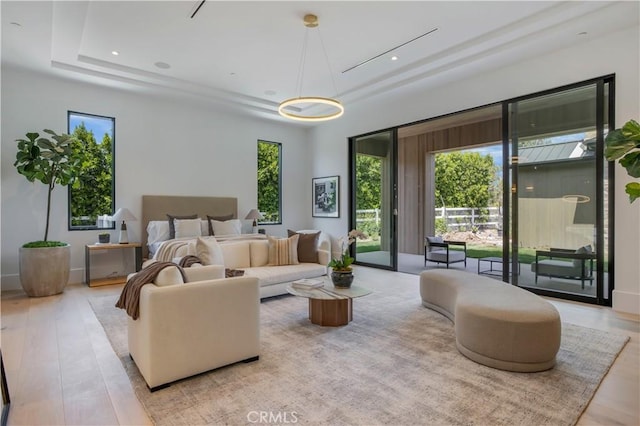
(259, 253)
(187, 228)
(307, 246)
(283, 251)
(204, 273)
(236, 255)
(582, 250)
(218, 218)
(209, 251)
(435, 239)
(157, 231)
(168, 276)
(228, 227)
(204, 227)
(172, 229)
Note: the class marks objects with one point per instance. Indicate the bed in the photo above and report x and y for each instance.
(156, 208)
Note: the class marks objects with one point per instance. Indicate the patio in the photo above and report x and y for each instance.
(414, 264)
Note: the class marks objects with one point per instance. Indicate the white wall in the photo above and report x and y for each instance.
(617, 53)
(162, 147)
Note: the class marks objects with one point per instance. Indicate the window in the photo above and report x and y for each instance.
(92, 195)
(269, 182)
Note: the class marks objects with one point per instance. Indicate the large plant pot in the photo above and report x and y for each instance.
(44, 271)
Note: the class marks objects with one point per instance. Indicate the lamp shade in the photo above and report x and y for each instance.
(123, 214)
(254, 214)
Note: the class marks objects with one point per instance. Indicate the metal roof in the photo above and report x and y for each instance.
(552, 152)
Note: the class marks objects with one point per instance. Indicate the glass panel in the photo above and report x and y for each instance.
(269, 182)
(554, 191)
(92, 194)
(375, 199)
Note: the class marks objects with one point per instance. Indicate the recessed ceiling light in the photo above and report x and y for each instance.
(162, 65)
(583, 33)
(394, 58)
(115, 52)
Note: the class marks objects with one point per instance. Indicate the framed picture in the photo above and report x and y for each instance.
(326, 196)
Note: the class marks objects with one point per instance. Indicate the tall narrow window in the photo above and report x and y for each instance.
(92, 195)
(270, 182)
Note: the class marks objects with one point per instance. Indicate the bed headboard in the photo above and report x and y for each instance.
(156, 207)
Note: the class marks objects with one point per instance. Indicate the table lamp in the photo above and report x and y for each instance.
(123, 214)
(255, 215)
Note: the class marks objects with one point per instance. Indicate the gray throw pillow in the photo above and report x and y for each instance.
(582, 250)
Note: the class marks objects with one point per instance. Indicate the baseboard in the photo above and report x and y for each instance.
(624, 301)
(12, 281)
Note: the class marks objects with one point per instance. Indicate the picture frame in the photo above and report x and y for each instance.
(326, 196)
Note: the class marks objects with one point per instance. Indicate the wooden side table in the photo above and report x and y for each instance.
(109, 280)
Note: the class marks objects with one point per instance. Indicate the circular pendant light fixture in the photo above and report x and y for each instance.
(306, 102)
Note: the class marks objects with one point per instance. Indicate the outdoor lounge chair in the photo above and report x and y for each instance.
(438, 250)
(564, 263)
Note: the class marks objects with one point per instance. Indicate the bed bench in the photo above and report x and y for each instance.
(496, 323)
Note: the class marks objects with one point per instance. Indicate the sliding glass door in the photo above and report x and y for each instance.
(558, 193)
(374, 199)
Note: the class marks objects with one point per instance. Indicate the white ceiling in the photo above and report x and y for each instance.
(246, 55)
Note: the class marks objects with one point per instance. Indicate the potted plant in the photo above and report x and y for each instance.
(341, 272)
(104, 238)
(44, 265)
(624, 145)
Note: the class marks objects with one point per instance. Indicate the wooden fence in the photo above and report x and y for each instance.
(457, 218)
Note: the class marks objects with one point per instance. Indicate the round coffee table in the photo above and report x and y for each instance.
(330, 306)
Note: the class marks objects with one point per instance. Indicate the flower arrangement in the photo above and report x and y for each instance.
(344, 262)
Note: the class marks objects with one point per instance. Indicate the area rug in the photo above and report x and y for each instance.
(395, 363)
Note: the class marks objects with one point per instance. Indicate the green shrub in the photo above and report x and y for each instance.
(441, 226)
(42, 244)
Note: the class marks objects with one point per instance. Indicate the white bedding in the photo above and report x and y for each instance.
(166, 249)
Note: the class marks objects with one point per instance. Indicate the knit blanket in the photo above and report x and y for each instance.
(188, 261)
(130, 297)
(168, 249)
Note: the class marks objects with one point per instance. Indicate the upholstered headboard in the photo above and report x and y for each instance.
(156, 207)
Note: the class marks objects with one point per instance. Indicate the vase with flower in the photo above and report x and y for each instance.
(341, 272)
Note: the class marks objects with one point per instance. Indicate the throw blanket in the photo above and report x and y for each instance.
(167, 250)
(188, 260)
(130, 296)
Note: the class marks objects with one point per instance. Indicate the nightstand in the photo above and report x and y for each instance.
(137, 247)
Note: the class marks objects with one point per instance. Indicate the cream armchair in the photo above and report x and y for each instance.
(187, 329)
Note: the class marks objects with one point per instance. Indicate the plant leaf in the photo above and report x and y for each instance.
(633, 189)
(631, 162)
(617, 145)
(631, 130)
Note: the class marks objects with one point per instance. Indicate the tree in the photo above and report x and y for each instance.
(368, 195)
(464, 179)
(369, 178)
(50, 161)
(269, 181)
(91, 193)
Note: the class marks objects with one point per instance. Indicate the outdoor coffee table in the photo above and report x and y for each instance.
(491, 261)
(330, 306)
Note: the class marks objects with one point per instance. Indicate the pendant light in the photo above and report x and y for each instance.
(310, 21)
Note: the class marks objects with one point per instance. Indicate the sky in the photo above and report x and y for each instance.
(494, 150)
(98, 125)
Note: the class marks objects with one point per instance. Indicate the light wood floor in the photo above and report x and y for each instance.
(61, 368)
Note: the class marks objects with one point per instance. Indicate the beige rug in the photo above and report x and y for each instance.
(396, 363)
